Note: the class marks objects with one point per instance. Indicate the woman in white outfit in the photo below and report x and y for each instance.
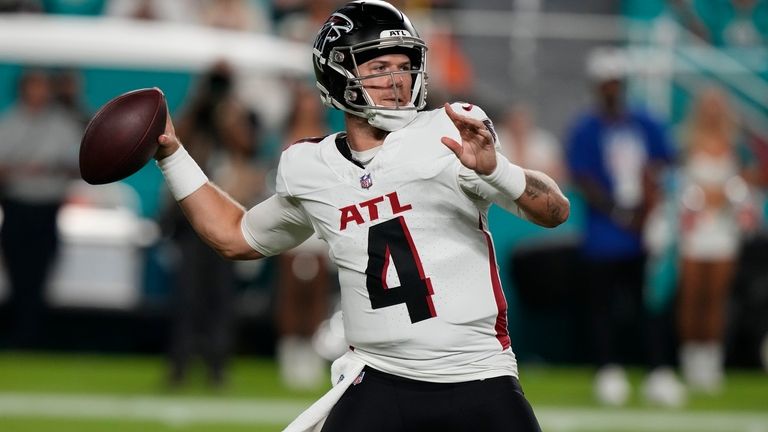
(715, 210)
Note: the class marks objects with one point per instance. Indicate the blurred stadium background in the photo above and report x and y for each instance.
(101, 364)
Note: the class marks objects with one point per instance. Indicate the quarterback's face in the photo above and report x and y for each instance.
(393, 87)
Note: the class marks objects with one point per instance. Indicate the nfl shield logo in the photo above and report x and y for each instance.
(366, 181)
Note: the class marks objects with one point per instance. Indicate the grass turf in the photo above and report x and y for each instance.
(251, 378)
(125, 375)
(27, 424)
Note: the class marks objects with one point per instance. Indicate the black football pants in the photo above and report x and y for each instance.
(382, 402)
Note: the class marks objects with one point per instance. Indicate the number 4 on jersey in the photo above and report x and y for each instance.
(390, 243)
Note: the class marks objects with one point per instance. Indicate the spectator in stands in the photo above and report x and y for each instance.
(614, 154)
(220, 133)
(38, 158)
(304, 280)
(715, 210)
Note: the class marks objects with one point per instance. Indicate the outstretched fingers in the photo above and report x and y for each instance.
(476, 150)
(453, 115)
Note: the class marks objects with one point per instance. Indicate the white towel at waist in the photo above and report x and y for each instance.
(343, 371)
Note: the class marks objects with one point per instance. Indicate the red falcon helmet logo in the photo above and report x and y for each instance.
(337, 25)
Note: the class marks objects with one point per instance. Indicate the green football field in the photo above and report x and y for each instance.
(62, 393)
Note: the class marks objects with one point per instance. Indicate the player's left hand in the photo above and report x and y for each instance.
(476, 151)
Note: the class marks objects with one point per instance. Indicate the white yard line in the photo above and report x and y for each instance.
(183, 410)
(650, 420)
(151, 408)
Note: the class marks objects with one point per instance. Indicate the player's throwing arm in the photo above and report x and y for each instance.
(541, 200)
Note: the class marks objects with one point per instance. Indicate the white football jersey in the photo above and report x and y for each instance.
(421, 295)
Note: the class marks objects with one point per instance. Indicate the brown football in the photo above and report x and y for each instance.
(122, 136)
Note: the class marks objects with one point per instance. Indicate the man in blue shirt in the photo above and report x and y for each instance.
(615, 154)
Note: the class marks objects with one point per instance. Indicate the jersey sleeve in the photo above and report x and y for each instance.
(281, 185)
(275, 225)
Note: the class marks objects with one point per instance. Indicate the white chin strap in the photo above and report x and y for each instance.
(390, 120)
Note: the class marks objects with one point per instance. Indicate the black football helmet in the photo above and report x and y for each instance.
(355, 34)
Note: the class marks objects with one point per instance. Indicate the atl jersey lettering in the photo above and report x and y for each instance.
(421, 295)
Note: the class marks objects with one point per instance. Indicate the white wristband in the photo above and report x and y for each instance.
(507, 177)
(182, 174)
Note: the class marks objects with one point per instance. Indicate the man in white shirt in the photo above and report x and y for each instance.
(401, 198)
(38, 159)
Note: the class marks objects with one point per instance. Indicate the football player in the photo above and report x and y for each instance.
(401, 197)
